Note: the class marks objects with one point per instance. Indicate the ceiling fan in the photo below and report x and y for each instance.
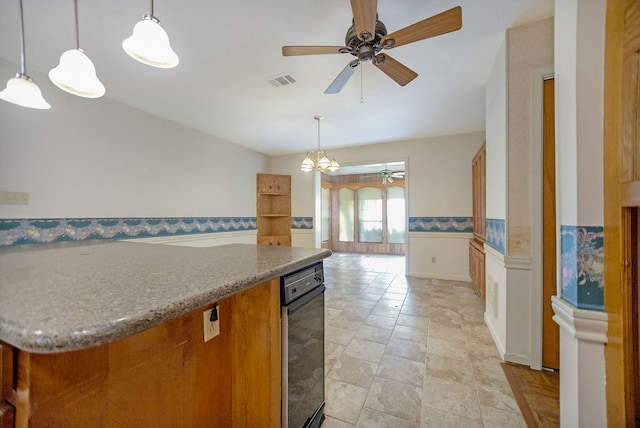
(388, 175)
(367, 36)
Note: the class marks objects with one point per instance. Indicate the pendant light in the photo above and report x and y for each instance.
(21, 90)
(319, 159)
(76, 73)
(149, 43)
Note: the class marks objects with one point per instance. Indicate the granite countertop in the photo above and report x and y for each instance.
(65, 298)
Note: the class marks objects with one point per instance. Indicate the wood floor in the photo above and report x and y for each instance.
(537, 393)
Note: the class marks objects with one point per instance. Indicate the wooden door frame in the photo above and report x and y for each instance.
(620, 222)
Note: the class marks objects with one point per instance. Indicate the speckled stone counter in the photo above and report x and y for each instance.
(64, 298)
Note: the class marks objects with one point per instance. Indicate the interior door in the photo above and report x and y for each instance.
(550, 329)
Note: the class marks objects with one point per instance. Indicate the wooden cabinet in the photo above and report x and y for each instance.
(166, 376)
(476, 244)
(273, 205)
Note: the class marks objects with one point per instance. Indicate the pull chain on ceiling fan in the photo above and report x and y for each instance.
(367, 36)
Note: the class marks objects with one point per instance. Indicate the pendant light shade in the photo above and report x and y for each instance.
(319, 159)
(76, 73)
(21, 90)
(149, 44)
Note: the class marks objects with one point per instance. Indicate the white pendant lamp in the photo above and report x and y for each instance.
(149, 43)
(76, 73)
(21, 90)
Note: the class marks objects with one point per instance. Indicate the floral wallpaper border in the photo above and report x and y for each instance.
(582, 249)
(302, 223)
(441, 224)
(496, 234)
(34, 231)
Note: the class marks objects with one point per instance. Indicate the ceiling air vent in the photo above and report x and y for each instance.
(282, 80)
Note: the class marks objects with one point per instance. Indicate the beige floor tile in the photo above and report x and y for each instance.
(409, 333)
(330, 422)
(372, 419)
(338, 335)
(381, 322)
(365, 350)
(395, 399)
(401, 370)
(435, 418)
(414, 321)
(353, 371)
(408, 352)
(448, 333)
(447, 348)
(373, 334)
(451, 396)
(451, 369)
(344, 401)
(407, 349)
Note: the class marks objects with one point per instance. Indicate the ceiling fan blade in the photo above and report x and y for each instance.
(394, 69)
(312, 50)
(364, 16)
(445, 22)
(342, 78)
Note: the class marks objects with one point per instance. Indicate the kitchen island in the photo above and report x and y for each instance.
(112, 334)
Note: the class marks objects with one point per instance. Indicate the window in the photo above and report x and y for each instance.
(325, 204)
(345, 215)
(395, 215)
(373, 214)
(370, 214)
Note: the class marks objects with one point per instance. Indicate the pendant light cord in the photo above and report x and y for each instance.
(75, 9)
(152, 8)
(23, 62)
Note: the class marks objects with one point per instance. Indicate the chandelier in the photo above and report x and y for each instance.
(319, 159)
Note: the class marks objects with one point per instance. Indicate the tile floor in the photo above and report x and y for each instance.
(408, 352)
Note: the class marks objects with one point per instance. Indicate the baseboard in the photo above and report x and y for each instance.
(494, 336)
(463, 278)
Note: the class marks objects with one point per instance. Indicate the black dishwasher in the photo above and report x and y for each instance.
(302, 297)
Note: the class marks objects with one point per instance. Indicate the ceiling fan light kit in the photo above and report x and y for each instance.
(319, 159)
(367, 36)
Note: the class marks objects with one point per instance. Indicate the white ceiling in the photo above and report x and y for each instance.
(229, 49)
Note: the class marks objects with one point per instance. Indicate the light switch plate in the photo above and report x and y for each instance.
(211, 328)
(14, 198)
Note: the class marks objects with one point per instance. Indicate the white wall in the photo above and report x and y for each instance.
(496, 124)
(100, 158)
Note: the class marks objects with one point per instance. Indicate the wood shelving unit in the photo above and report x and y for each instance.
(476, 244)
(273, 204)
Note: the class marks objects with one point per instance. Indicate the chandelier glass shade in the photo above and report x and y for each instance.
(21, 89)
(319, 160)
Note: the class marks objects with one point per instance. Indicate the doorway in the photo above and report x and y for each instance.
(364, 209)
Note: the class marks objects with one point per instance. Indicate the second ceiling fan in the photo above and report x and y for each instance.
(367, 37)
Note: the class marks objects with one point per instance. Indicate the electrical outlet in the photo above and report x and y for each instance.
(433, 259)
(211, 328)
(14, 198)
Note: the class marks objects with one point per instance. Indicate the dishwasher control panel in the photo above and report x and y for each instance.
(301, 282)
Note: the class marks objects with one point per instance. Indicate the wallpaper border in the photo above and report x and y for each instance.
(35, 231)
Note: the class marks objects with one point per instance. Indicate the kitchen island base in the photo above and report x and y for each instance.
(166, 376)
